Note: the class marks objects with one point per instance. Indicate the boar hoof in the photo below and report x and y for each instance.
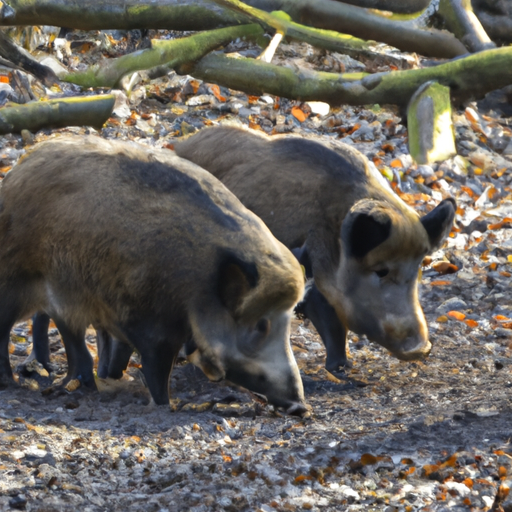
(73, 383)
(298, 409)
(32, 367)
(338, 366)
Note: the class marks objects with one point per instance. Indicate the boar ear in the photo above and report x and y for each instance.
(236, 277)
(438, 222)
(363, 232)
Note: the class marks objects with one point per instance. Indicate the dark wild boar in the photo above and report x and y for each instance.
(364, 245)
(154, 250)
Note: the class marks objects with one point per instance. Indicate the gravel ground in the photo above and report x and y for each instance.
(384, 435)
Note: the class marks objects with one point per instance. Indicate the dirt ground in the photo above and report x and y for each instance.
(384, 435)
(387, 436)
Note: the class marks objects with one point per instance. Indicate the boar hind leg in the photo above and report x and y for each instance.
(80, 365)
(331, 330)
(8, 317)
(6, 376)
(113, 355)
(120, 354)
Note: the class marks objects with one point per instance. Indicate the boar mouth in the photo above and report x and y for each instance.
(420, 351)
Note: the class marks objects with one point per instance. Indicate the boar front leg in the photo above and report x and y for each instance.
(40, 341)
(323, 316)
(158, 343)
(331, 330)
(80, 364)
(104, 343)
(157, 365)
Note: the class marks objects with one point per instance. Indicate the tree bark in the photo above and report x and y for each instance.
(23, 60)
(326, 39)
(118, 14)
(173, 53)
(340, 17)
(468, 78)
(461, 20)
(204, 15)
(398, 6)
(429, 124)
(79, 111)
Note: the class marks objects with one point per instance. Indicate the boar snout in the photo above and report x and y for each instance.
(407, 342)
(285, 392)
(413, 349)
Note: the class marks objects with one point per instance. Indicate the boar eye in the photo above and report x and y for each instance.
(263, 326)
(383, 272)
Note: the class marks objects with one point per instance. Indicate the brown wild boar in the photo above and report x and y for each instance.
(154, 250)
(363, 244)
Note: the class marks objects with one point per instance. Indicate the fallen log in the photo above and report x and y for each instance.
(362, 23)
(397, 6)
(172, 53)
(205, 15)
(77, 111)
(468, 78)
(461, 20)
(118, 14)
(325, 39)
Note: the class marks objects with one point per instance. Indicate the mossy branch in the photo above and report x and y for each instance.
(77, 111)
(172, 53)
(469, 77)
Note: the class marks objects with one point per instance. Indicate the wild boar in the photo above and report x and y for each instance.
(363, 243)
(154, 250)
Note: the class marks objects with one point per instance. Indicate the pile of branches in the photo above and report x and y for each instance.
(461, 55)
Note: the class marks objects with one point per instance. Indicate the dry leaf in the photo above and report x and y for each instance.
(72, 385)
(468, 483)
(367, 459)
(450, 462)
(468, 191)
(504, 223)
(445, 267)
(215, 90)
(298, 114)
(429, 469)
(302, 478)
(457, 315)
